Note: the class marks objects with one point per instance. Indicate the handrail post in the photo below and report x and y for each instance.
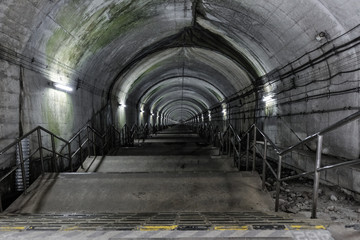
(239, 156)
(70, 157)
(81, 155)
(264, 164)
(316, 175)
(234, 147)
(1, 205)
(234, 150)
(120, 136)
(112, 137)
(22, 166)
(254, 150)
(229, 143)
(278, 185)
(247, 150)
(125, 136)
(93, 142)
(41, 150)
(54, 165)
(103, 142)
(88, 141)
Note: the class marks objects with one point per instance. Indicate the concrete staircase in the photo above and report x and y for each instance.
(172, 185)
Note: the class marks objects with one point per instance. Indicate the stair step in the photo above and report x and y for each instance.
(121, 219)
(144, 192)
(176, 163)
(176, 225)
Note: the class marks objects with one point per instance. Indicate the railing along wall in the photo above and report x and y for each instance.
(86, 142)
(230, 142)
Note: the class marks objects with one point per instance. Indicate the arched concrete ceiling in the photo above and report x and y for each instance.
(208, 93)
(167, 102)
(125, 47)
(197, 103)
(180, 113)
(216, 68)
(180, 93)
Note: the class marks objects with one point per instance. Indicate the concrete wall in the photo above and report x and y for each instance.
(28, 101)
(309, 94)
(301, 161)
(311, 99)
(9, 105)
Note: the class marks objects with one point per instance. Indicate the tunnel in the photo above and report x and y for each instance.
(268, 85)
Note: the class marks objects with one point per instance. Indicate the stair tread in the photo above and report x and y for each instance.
(143, 192)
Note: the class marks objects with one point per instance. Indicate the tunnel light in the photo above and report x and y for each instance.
(63, 87)
(122, 105)
(142, 111)
(268, 98)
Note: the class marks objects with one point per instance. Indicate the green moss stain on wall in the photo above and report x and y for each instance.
(218, 97)
(58, 112)
(82, 31)
(54, 43)
(149, 70)
(72, 15)
(121, 19)
(152, 93)
(51, 119)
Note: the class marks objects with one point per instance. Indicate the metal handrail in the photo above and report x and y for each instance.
(125, 136)
(331, 128)
(56, 154)
(234, 139)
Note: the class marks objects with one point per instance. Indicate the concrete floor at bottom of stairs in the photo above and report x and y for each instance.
(144, 192)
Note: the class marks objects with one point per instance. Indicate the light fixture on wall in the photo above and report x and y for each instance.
(142, 111)
(61, 87)
(122, 105)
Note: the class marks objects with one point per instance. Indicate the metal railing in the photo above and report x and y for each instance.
(231, 143)
(210, 133)
(86, 142)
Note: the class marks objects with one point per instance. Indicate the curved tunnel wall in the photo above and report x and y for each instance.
(260, 60)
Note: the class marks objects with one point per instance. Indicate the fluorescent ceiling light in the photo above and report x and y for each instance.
(63, 87)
